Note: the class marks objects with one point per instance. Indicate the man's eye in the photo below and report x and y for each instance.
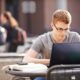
(66, 29)
(60, 29)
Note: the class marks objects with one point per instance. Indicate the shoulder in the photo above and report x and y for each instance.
(72, 33)
(42, 40)
(44, 36)
(74, 36)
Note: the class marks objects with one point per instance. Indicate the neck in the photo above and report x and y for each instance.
(56, 38)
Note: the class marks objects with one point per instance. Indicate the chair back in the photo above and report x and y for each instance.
(64, 72)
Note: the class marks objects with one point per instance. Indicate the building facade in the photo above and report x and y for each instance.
(35, 15)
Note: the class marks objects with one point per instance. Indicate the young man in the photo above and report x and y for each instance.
(61, 20)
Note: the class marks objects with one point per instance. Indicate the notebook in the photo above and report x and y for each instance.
(65, 53)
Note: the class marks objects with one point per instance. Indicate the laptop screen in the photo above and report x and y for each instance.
(65, 53)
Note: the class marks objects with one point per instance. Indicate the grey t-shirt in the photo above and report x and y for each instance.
(43, 44)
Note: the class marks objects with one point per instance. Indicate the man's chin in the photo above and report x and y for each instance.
(61, 38)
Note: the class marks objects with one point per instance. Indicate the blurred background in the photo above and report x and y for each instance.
(34, 16)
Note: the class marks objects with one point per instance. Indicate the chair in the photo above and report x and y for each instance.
(64, 72)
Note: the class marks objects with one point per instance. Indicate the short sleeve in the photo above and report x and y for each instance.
(37, 45)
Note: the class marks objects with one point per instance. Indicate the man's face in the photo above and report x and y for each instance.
(60, 29)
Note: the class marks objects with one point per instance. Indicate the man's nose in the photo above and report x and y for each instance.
(63, 32)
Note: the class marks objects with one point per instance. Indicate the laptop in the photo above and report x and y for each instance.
(65, 53)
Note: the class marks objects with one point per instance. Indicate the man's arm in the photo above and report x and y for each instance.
(30, 57)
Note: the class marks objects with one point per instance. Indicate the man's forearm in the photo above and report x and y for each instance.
(34, 60)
